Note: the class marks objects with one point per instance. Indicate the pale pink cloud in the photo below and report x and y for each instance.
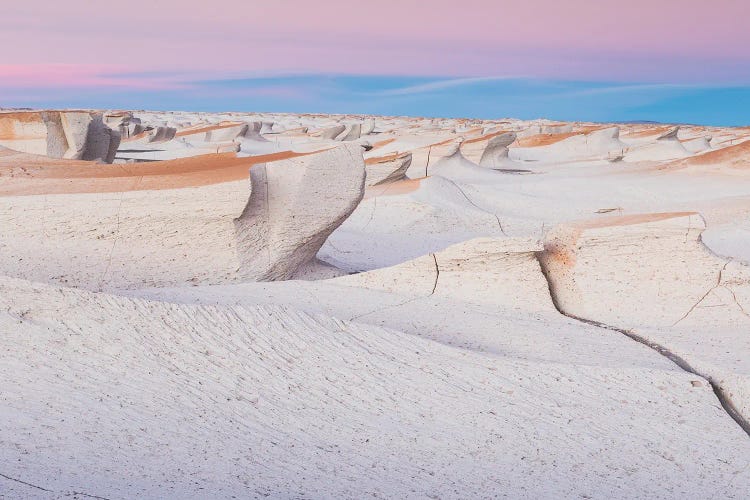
(682, 39)
(35, 76)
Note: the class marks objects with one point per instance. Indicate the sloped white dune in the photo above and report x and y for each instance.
(696, 321)
(237, 395)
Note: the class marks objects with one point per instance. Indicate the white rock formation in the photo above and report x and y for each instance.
(292, 210)
(317, 306)
(59, 134)
(142, 230)
(598, 144)
(387, 169)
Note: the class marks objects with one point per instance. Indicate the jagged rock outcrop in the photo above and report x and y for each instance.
(670, 135)
(75, 135)
(368, 127)
(253, 132)
(160, 134)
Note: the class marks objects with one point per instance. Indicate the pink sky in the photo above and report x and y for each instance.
(85, 42)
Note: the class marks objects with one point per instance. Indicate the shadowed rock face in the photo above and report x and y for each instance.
(670, 135)
(161, 134)
(495, 154)
(101, 142)
(456, 167)
(351, 132)
(332, 132)
(60, 134)
(387, 169)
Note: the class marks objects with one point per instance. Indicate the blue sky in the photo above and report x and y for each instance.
(483, 97)
(594, 60)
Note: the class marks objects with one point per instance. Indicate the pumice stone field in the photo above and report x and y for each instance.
(239, 305)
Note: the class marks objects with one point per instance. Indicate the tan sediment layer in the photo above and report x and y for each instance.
(560, 247)
(206, 128)
(647, 132)
(23, 174)
(547, 139)
(737, 156)
(8, 129)
(383, 143)
(484, 137)
(383, 159)
(734, 157)
(394, 188)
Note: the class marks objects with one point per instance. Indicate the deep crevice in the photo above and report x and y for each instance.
(437, 275)
(722, 396)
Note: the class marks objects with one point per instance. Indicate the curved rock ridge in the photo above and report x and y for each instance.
(697, 144)
(212, 233)
(495, 155)
(386, 169)
(455, 166)
(352, 132)
(602, 143)
(666, 147)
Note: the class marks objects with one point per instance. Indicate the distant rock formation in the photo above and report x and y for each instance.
(601, 143)
(74, 135)
(495, 155)
(330, 133)
(387, 169)
(352, 132)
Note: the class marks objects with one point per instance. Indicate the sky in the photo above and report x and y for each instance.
(682, 61)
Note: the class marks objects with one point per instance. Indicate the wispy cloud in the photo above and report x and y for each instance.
(481, 97)
(442, 85)
(650, 88)
(61, 76)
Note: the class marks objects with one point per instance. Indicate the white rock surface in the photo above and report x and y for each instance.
(343, 306)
